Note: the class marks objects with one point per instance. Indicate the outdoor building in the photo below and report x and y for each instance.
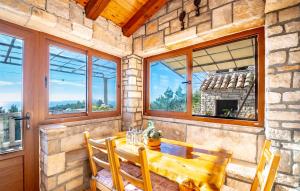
(215, 82)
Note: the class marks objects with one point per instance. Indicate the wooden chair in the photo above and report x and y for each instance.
(104, 179)
(147, 181)
(265, 172)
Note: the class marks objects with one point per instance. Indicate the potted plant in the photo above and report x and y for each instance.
(152, 136)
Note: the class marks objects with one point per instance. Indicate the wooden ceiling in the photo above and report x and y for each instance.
(128, 14)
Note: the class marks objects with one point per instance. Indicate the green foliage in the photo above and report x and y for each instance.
(170, 101)
(69, 106)
(151, 133)
(2, 110)
(196, 100)
(99, 103)
(100, 106)
(13, 109)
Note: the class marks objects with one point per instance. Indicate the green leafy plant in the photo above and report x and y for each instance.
(151, 133)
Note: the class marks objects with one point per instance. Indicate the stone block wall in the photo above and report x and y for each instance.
(244, 142)
(209, 98)
(282, 116)
(217, 18)
(63, 158)
(67, 20)
(283, 88)
(132, 84)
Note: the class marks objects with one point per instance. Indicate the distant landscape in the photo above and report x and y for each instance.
(98, 105)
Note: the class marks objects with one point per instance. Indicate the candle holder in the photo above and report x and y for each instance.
(197, 5)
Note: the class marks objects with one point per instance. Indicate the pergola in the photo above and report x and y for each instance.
(61, 61)
(225, 57)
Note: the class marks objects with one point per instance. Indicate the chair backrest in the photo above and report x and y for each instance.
(140, 158)
(266, 169)
(100, 146)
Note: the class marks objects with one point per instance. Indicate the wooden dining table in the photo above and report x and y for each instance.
(191, 166)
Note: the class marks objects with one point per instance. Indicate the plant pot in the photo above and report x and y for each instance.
(152, 143)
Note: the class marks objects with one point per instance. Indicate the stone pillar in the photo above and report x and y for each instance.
(132, 72)
(283, 88)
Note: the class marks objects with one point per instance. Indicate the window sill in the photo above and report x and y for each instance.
(214, 123)
(81, 119)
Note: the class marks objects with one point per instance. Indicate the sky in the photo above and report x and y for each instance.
(161, 77)
(65, 87)
(62, 86)
(72, 87)
(10, 75)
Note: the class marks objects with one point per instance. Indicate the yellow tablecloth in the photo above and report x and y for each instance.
(204, 171)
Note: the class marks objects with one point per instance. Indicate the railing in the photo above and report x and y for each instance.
(10, 132)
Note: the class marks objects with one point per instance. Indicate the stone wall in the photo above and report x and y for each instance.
(217, 18)
(66, 19)
(283, 88)
(132, 84)
(63, 157)
(210, 97)
(244, 142)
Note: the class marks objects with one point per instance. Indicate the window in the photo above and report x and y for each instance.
(168, 84)
(104, 86)
(67, 85)
(82, 83)
(224, 80)
(217, 81)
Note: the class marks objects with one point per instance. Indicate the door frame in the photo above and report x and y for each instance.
(31, 71)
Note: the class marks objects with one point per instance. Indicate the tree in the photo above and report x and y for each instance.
(169, 101)
(2, 110)
(13, 109)
(179, 101)
(99, 102)
(196, 101)
(169, 93)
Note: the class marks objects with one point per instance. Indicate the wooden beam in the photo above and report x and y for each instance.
(94, 8)
(142, 15)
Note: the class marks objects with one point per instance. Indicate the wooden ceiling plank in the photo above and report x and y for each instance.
(142, 15)
(95, 7)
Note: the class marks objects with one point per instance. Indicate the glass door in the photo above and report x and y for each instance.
(18, 108)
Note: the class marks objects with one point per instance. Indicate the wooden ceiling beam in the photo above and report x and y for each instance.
(142, 15)
(94, 8)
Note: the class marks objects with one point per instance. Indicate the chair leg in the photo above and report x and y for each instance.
(93, 185)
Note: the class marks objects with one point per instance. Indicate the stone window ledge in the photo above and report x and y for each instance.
(63, 126)
(237, 128)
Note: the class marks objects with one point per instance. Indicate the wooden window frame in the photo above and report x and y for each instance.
(45, 41)
(260, 98)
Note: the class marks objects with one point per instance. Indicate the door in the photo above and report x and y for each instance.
(17, 97)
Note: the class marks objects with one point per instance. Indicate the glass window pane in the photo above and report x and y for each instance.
(104, 85)
(67, 85)
(167, 84)
(224, 80)
(11, 93)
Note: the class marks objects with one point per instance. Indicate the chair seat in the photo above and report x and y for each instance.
(227, 188)
(104, 177)
(104, 180)
(159, 183)
(131, 169)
